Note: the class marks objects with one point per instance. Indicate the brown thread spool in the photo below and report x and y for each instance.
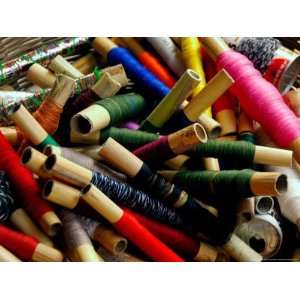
(34, 161)
(77, 239)
(7, 256)
(60, 66)
(12, 135)
(85, 64)
(39, 75)
(20, 219)
(61, 194)
(106, 236)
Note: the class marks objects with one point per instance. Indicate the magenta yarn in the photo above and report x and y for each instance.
(260, 99)
(130, 125)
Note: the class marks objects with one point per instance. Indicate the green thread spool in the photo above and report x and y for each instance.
(109, 111)
(243, 151)
(238, 183)
(170, 103)
(49, 140)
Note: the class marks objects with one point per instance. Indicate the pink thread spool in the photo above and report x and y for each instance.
(258, 97)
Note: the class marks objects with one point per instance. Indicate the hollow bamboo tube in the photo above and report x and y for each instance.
(169, 104)
(92, 118)
(61, 66)
(186, 138)
(133, 45)
(7, 256)
(61, 90)
(273, 156)
(106, 86)
(50, 223)
(214, 46)
(264, 204)
(87, 253)
(29, 125)
(103, 45)
(121, 158)
(221, 82)
(244, 123)
(212, 127)
(211, 163)
(102, 204)
(20, 219)
(91, 151)
(227, 119)
(206, 253)
(44, 253)
(85, 64)
(39, 75)
(91, 138)
(61, 194)
(34, 161)
(268, 183)
(177, 162)
(120, 257)
(68, 171)
(109, 239)
(11, 134)
(240, 251)
(118, 73)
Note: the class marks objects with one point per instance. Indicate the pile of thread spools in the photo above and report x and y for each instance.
(149, 149)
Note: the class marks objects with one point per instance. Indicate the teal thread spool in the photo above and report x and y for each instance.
(109, 111)
(243, 183)
(31, 127)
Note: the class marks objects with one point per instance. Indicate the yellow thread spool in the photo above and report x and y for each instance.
(191, 54)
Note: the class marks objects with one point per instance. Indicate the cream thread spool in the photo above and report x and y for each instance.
(39, 75)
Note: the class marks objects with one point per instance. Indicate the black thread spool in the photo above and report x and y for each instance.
(6, 200)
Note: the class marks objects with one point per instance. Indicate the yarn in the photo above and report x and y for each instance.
(242, 151)
(169, 53)
(260, 99)
(130, 227)
(156, 150)
(191, 53)
(154, 66)
(122, 107)
(6, 199)
(207, 184)
(259, 50)
(124, 194)
(130, 125)
(172, 237)
(23, 246)
(137, 72)
(22, 182)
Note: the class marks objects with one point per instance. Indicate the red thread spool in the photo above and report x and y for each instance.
(129, 226)
(20, 244)
(172, 237)
(25, 187)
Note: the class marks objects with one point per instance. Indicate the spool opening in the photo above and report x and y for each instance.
(281, 184)
(50, 162)
(257, 244)
(120, 246)
(26, 155)
(48, 150)
(82, 124)
(48, 188)
(200, 132)
(193, 74)
(264, 204)
(86, 189)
